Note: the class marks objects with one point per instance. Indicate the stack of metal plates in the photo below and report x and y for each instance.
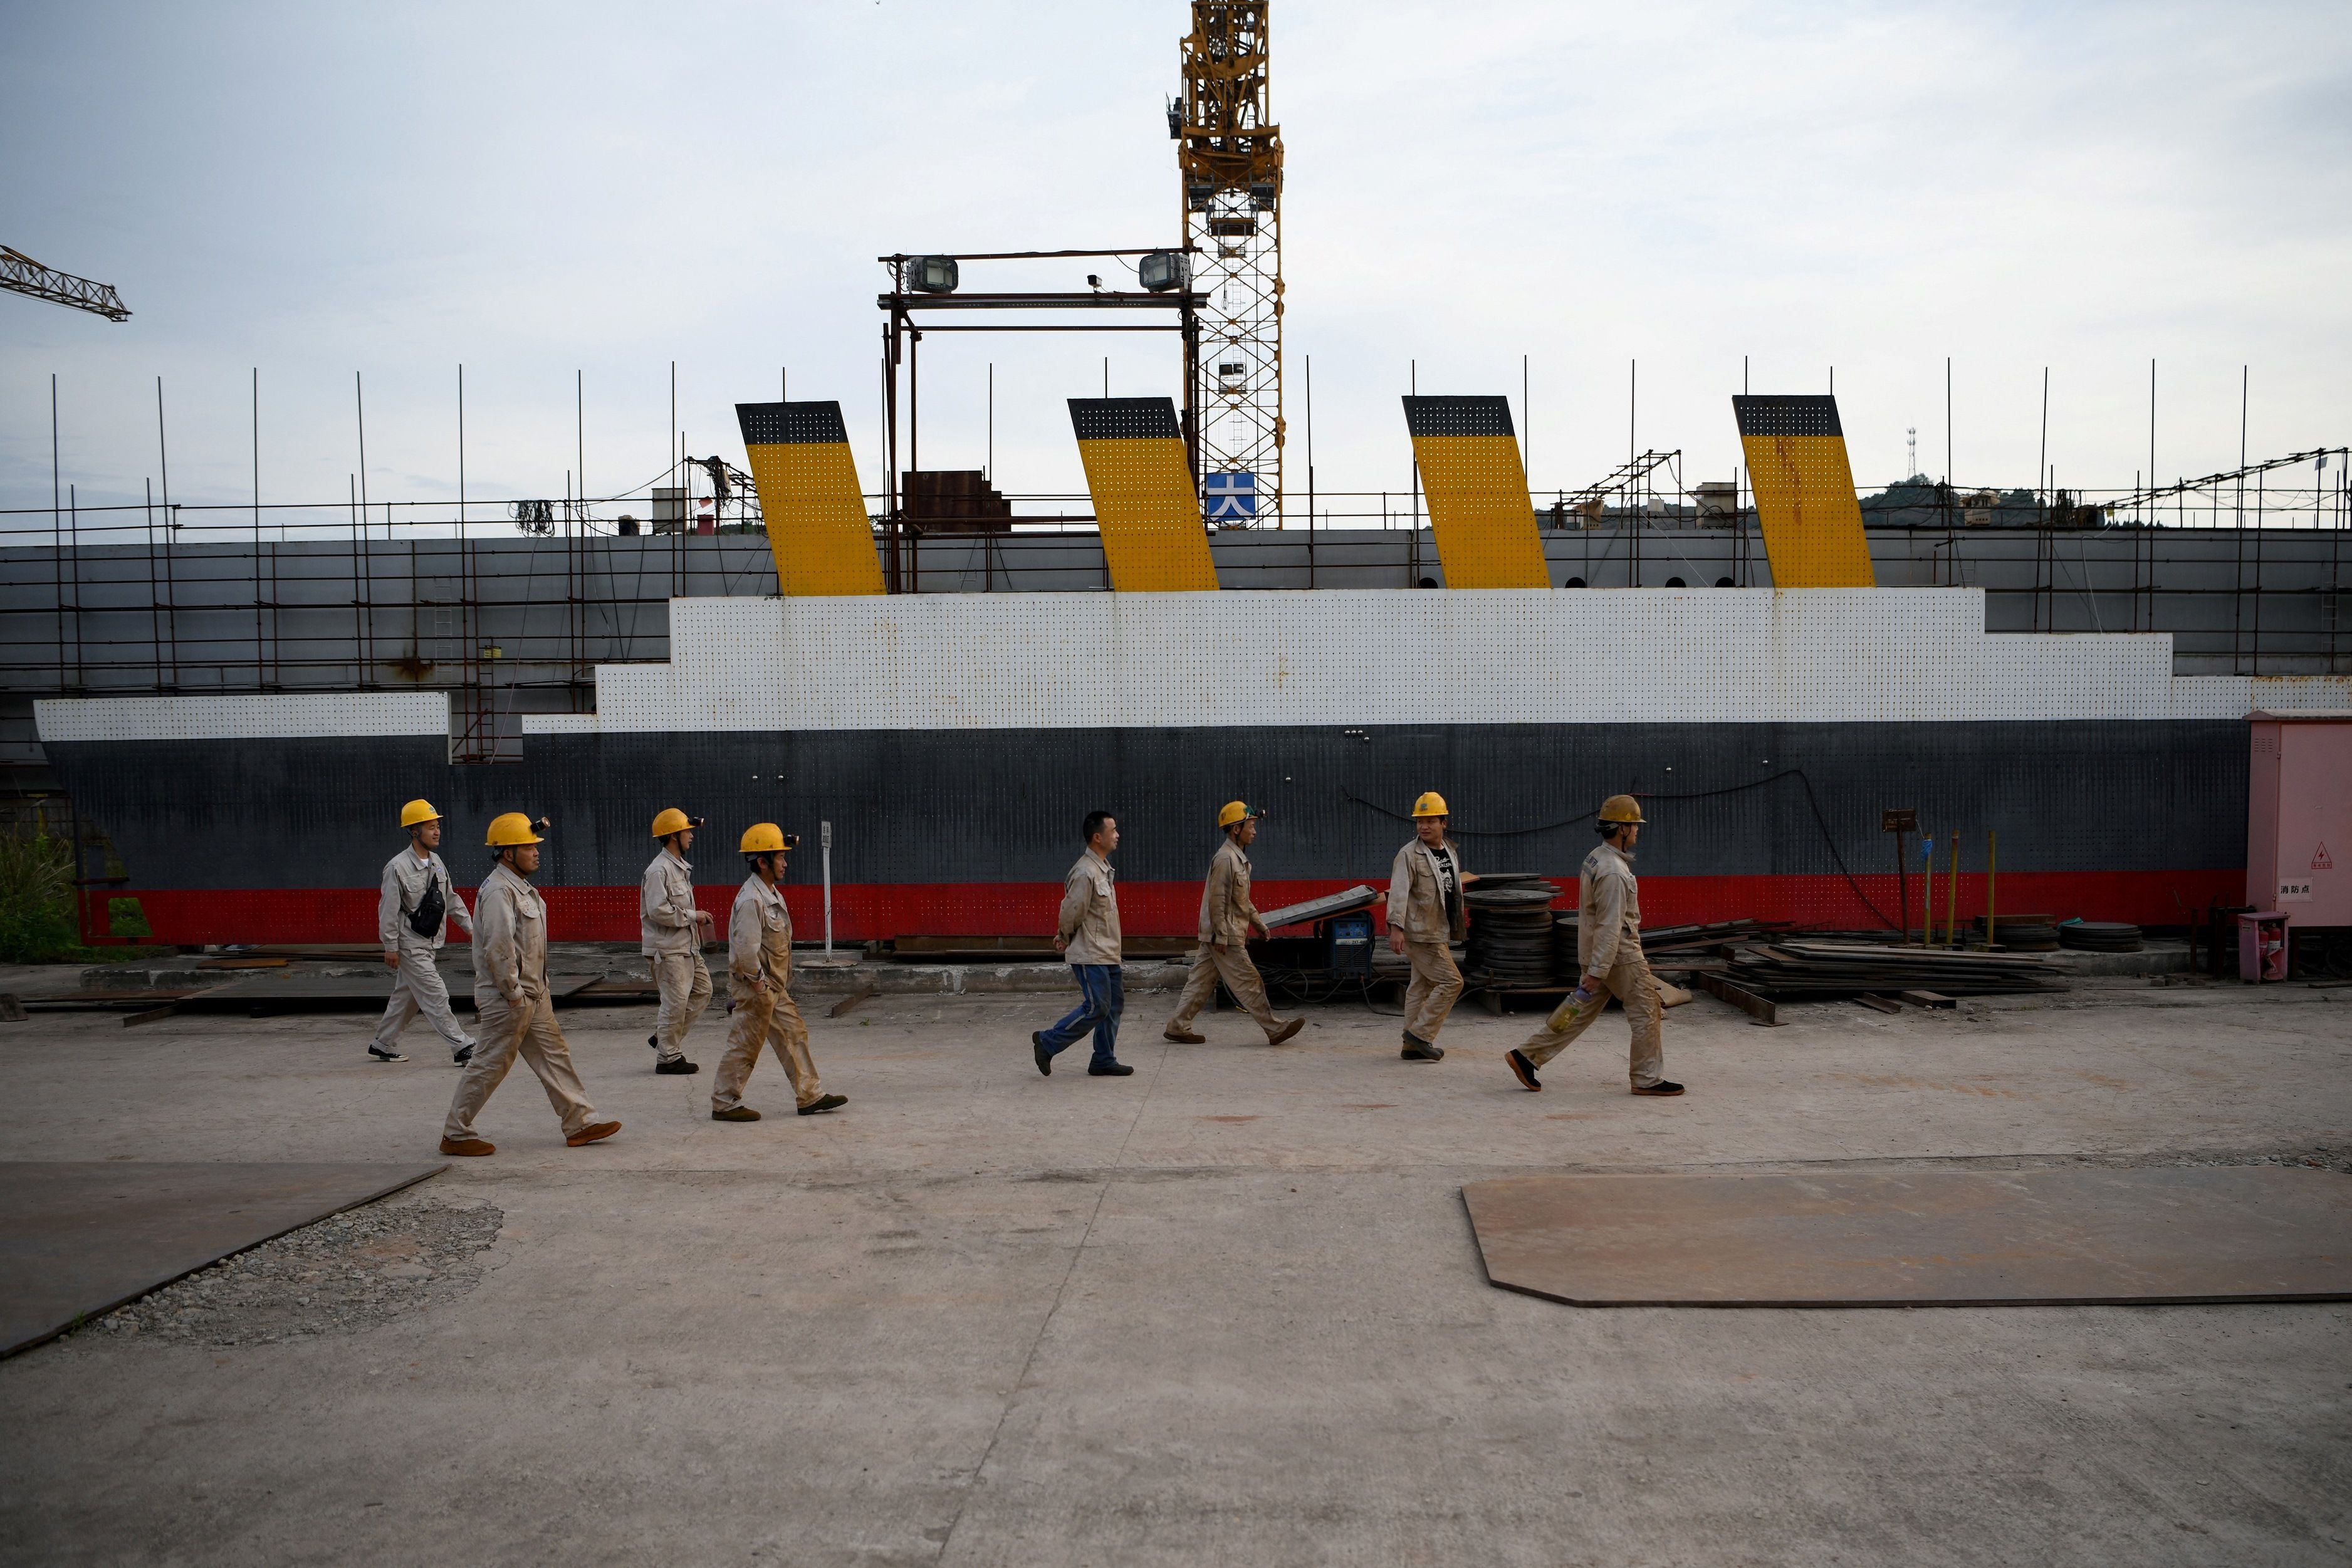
(1510, 932)
(2098, 936)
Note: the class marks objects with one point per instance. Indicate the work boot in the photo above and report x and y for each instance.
(592, 1132)
(467, 1146)
(1417, 1049)
(1524, 1067)
(675, 1065)
(383, 1055)
(463, 1054)
(1038, 1049)
(735, 1113)
(1110, 1069)
(1661, 1088)
(824, 1103)
(1183, 1037)
(1284, 1031)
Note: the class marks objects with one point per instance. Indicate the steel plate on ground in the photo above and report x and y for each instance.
(1921, 1238)
(79, 1238)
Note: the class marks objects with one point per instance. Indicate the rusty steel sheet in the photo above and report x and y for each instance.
(77, 1239)
(1921, 1238)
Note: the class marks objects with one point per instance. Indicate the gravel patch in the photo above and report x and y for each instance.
(344, 1275)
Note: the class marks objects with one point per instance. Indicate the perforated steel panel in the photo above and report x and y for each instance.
(818, 528)
(1153, 540)
(1187, 660)
(70, 719)
(1804, 491)
(1479, 509)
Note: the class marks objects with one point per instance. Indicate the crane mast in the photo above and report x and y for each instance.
(1229, 163)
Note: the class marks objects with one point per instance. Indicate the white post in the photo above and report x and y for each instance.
(825, 840)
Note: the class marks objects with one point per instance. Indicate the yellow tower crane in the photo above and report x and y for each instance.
(19, 273)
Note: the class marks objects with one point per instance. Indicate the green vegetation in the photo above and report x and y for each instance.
(36, 911)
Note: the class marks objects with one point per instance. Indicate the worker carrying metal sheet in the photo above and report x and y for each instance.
(1608, 957)
(413, 911)
(511, 1005)
(671, 930)
(1086, 933)
(1228, 919)
(759, 974)
(1426, 917)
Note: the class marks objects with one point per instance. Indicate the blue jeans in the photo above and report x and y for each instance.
(1102, 997)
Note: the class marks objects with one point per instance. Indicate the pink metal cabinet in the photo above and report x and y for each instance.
(2299, 816)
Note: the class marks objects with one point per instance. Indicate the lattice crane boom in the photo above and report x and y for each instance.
(23, 275)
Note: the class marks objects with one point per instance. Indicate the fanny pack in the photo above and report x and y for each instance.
(425, 919)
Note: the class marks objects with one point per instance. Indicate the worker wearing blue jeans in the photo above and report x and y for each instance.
(1088, 935)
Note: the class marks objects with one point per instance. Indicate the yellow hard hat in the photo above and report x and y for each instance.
(672, 820)
(1431, 804)
(1238, 811)
(762, 838)
(512, 827)
(417, 811)
(1621, 808)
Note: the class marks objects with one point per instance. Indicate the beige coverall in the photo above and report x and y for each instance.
(759, 968)
(1609, 946)
(512, 1010)
(672, 943)
(1227, 916)
(417, 985)
(1417, 905)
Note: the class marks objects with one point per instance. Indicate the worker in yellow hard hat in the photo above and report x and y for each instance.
(1228, 919)
(1609, 957)
(511, 1007)
(1425, 917)
(671, 929)
(415, 904)
(759, 973)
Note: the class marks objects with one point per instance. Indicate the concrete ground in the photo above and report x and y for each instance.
(1227, 1310)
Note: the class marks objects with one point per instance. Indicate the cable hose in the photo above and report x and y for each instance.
(1819, 821)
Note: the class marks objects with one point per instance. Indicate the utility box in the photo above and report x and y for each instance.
(1348, 941)
(2299, 815)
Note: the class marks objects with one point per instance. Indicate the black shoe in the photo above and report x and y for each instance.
(380, 1054)
(1038, 1049)
(735, 1113)
(675, 1065)
(1110, 1069)
(1417, 1049)
(1524, 1067)
(1661, 1088)
(462, 1055)
(824, 1103)
(653, 1042)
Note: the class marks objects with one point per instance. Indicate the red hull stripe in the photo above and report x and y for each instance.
(1169, 909)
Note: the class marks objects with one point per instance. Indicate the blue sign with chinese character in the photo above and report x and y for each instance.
(1230, 496)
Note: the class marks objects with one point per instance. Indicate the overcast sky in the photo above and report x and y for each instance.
(535, 191)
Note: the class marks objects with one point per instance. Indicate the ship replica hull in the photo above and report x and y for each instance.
(954, 742)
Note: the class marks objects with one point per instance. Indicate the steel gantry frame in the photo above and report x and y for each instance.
(1229, 172)
(902, 347)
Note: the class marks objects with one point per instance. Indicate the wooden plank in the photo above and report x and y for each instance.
(152, 1015)
(1880, 1003)
(865, 988)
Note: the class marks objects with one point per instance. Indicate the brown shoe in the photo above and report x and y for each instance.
(735, 1113)
(1184, 1036)
(467, 1146)
(1659, 1089)
(593, 1132)
(1284, 1031)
